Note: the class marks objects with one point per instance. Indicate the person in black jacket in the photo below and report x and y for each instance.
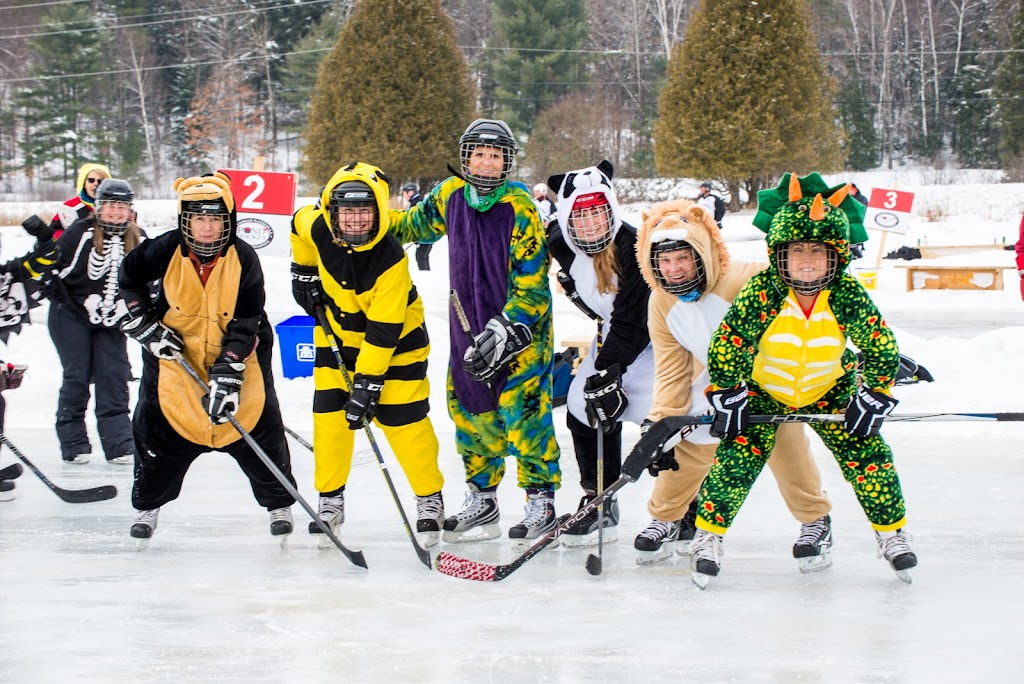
(411, 195)
(85, 310)
(596, 251)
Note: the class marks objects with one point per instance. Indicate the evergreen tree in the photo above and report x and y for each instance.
(394, 92)
(862, 145)
(521, 82)
(747, 98)
(1009, 94)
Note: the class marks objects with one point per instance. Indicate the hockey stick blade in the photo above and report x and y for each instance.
(91, 495)
(593, 564)
(11, 472)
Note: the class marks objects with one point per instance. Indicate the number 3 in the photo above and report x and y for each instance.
(890, 199)
(252, 201)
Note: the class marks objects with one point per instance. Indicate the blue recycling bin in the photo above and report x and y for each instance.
(295, 338)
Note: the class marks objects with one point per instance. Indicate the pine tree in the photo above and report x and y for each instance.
(747, 97)
(394, 92)
(862, 145)
(1009, 93)
(522, 82)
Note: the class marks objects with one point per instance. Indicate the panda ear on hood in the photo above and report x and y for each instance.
(606, 168)
(555, 182)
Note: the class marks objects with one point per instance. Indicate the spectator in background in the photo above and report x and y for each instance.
(541, 199)
(78, 207)
(857, 250)
(1020, 258)
(411, 195)
(711, 203)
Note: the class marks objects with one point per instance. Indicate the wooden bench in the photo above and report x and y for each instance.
(954, 276)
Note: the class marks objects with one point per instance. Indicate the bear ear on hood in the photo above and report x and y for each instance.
(698, 213)
(555, 182)
(606, 168)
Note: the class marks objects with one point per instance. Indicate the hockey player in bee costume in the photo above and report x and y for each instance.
(781, 349)
(344, 261)
(693, 280)
(596, 250)
(208, 310)
(499, 384)
(85, 310)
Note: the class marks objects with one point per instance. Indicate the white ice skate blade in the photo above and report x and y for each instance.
(473, 534)
(121, 460)
(7, 496)
(652, 557)
(701, 580)
(579, 541)
(520, 545)
(905, 576)
(683, 547)
(809, 564)
(322, 540)
(141, 544)
(428, 539)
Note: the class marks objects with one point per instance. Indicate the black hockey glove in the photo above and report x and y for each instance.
(494, 347)
(866, 411)
(569, 285)
(362, 403)
(732, 413)
(154, 336)
(306, 288)
(37, 228)
(606, 400)
(225, 389)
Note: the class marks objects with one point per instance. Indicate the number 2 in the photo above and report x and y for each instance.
(252, 201)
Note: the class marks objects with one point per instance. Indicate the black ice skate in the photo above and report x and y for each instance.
(144, 526)
(654, 543)
(584, 532)
(895, 548)
(687, 529)
(6, 490)
(429, 518)
(281, 522)
(478, 519)
(813, 549)
(705, 557)
(331, 511)
(540, 518)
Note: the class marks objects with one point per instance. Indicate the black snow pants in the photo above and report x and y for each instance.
(584, 440)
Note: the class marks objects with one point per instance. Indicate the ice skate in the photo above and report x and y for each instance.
(332, 512)
(654, 543)
(478, 519)
(123, 459)
(687, 529)
(6, 490)
(540, 518)
(429, 519)
(705, 557)
(584, 532)
(78, 459)
(144, 526)
(813, 548)
(895, 548)
(281, 524)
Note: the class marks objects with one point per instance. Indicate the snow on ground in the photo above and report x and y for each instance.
(214, 598)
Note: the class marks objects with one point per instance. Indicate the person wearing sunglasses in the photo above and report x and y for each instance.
(80, 206)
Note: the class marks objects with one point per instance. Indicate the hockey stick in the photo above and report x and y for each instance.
(298, 438)
(460, 313)
(681, 421)
(632, 469)
(355, 556)
(421, 553)
(593, 563)
(69, 495)
(11, 472)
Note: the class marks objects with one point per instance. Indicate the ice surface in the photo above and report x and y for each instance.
(214, 597)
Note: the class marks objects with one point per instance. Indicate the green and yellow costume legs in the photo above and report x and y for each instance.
(866, 463)
(522, 427)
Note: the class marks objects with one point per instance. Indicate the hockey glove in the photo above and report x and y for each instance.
(569, 285)
(40, 262)
(306, 288)
(362, 404)
(732, 413)
(37, 228)
(154, 336)
(10, 376)
(667, 459)
(606, 400)
(225, 389)
(866, 411)
(494, 347)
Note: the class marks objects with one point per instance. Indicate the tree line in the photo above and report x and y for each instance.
(732, 90)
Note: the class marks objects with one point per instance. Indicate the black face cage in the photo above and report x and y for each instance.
(598, 217)
(804, 287)
(368, 213)
(687, 286)
(192, 210)
(109, 227)
(485, 184)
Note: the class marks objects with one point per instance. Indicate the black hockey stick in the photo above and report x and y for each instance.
(298, 438)
(11, 472)
(632, 468)
(593, 563)
(460, 313)
(355, 556)
(945, 416)
(69, 495)
(421, 553)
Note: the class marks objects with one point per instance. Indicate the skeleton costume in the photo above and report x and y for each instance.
(85, 310)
